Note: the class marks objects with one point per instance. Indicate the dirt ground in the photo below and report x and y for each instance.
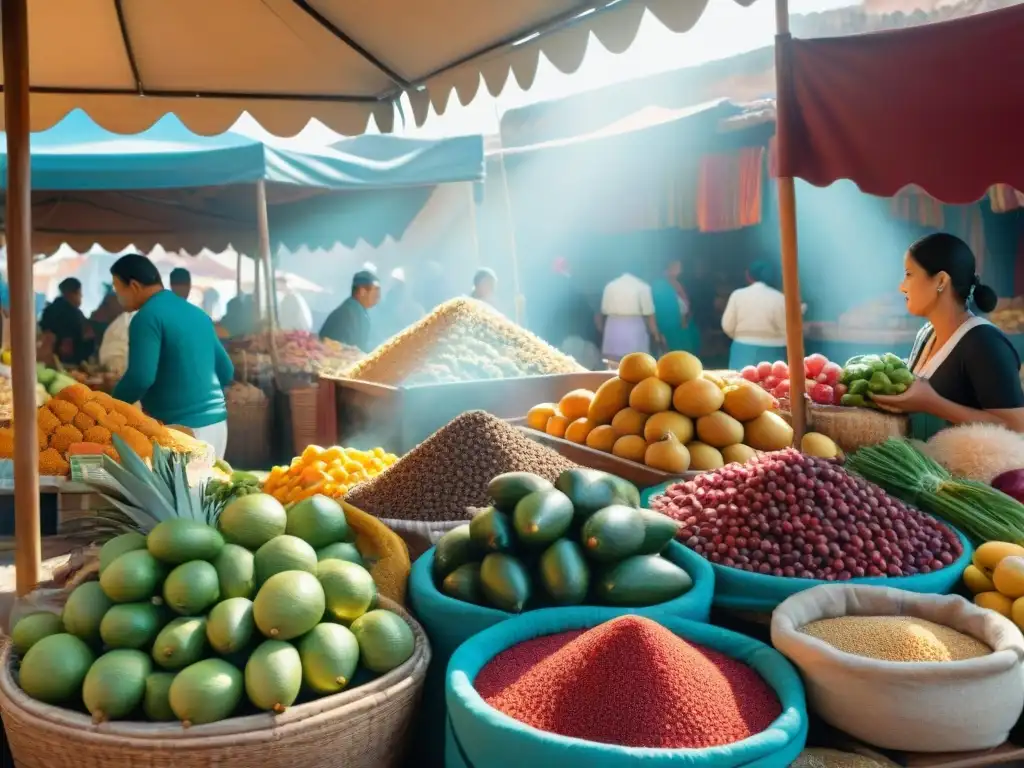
(55, 554)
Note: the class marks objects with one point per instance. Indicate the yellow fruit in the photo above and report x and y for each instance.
(637, 366)
(817, 444)
(977, 581)
(995, 602)
(576, 404)
(602, 438)
(1017, 612)
(738, 454)
(745, 401)
(669, 422)
(697, 398)
(719, 429)
(703, 457)
(537, 417)
(987, 556)
(610, 398)
(629, 422)
(1008, 576)
(652, 395)
(668, 455)
(557, 425)
(578, 430)
(632, 447)
(676, 368)
(768, 432)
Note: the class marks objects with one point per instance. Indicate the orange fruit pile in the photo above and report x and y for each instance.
(328, 471)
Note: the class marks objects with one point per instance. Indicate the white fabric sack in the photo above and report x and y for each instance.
(910, 706)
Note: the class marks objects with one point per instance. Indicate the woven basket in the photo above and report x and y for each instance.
(249, 429)
(365, 727)
(853, 428)
(421, 535)
(303, 404)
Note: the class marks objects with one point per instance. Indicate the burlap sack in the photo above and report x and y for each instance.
(910, 706)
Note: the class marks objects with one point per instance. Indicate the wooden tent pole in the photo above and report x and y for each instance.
(29, 551)
(787, 240)
(473, 224)
(257, 294)
(263, 226)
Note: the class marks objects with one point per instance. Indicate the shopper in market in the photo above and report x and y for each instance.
(967, 369)
(567, 319)
(66, 333)
(485, 285)
(350, 322)
(627, 318)
(755, 319)
(673, 311)
(398, 309)
(181, 282)
(177, 367)
(293, 312)
(114, 344)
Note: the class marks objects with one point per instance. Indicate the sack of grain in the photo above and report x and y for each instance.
(915, 706)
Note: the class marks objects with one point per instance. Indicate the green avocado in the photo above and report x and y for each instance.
(659, 530)
(506, 490)
(542, 517)
(505, 582)
(642, 580)
(564, 573)
(491, 531)
(613, 533)
(453, 549)
(590, 490)
(464, 584)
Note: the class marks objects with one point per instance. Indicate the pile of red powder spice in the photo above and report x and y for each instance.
(629, 682)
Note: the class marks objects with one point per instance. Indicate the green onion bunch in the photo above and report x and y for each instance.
(979, 510)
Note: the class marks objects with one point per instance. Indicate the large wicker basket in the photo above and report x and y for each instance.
(853, 428)
(366, 727)
(303, 403)
(250, 426)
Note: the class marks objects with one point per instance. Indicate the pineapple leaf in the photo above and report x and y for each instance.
(131, 462)
(145, 521)
(138, 492)
(161, 465)
(182, 497)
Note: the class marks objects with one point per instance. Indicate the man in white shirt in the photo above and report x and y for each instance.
(627, 317)
(755, 319)
(114, 347)
(293, 311)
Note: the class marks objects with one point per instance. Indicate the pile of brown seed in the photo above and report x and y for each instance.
(449, 471)
(461, 340)
(896, 638)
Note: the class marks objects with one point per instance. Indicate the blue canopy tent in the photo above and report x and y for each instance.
(171, 187)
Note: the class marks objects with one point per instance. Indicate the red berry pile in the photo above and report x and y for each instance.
(787, 514)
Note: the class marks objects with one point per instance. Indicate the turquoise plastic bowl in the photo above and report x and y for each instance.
(755, 592)
(449, 622)
(479, 736)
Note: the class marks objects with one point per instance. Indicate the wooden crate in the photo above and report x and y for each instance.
(399, 418)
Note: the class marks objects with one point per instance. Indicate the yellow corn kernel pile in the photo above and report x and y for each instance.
(896, 638)
(328, 471)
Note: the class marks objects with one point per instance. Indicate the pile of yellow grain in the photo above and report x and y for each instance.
(447, 328)
(896, 638)
(80, 415)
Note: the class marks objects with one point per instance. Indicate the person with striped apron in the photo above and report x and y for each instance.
(967, 369)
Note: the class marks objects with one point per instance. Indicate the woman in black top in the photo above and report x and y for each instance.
(967, 370)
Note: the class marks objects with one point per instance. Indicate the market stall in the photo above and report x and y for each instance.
(293, 62)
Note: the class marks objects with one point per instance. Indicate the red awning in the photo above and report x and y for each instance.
(940, 106)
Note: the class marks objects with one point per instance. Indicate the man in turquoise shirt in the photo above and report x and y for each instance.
(177, 367)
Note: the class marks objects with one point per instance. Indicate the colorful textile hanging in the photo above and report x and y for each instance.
(729, 190)
(1005, 198)
(915, 205)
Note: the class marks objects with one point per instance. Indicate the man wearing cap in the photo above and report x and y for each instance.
(350, 322)
(181, 282)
